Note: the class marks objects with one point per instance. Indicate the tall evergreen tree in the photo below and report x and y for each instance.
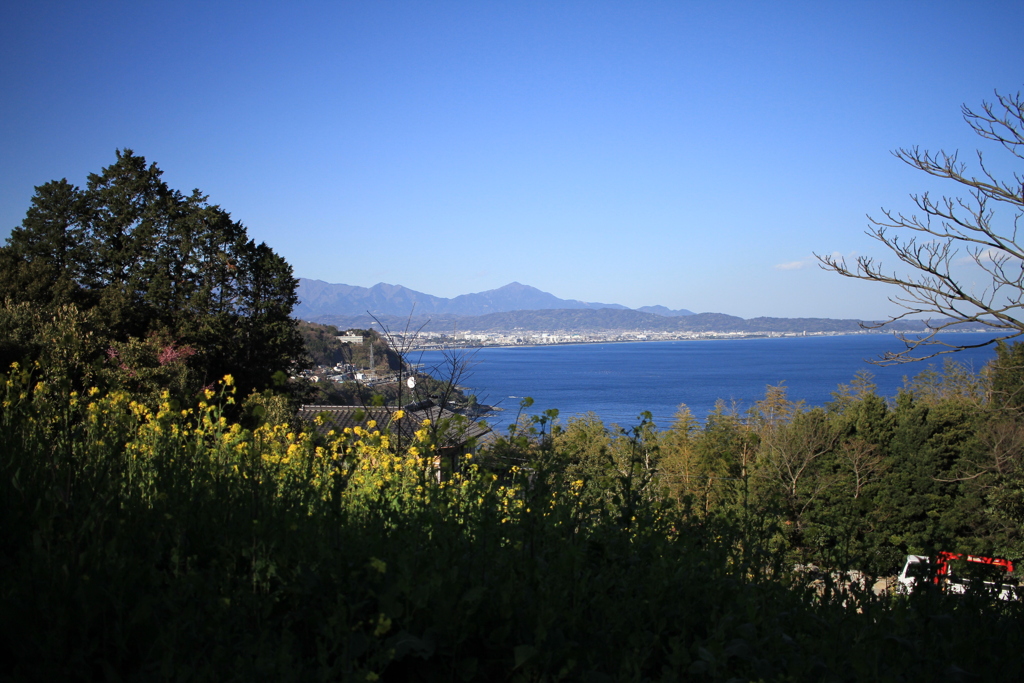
(44, 257)
(154, 264)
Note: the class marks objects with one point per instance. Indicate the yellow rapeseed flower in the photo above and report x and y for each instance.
(383, 625)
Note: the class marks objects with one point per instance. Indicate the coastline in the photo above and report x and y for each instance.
(728, 336)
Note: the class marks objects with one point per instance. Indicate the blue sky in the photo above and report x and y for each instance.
(687, 154)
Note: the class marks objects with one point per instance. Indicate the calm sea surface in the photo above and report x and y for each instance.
(619, 381)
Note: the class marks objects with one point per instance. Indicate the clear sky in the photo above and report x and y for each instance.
(689, 154)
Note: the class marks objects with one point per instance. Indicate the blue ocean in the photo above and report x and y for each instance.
(618, 381)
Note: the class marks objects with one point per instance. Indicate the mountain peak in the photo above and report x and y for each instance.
(318, 298)
(514, 286)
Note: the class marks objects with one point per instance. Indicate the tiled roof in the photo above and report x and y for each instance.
(456, 432)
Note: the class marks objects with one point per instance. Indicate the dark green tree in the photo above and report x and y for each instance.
(44, 259)
(150, 263)
(1006, 374)
(716, 461)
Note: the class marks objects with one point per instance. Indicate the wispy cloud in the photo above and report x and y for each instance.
(990, 255)
(812, 261)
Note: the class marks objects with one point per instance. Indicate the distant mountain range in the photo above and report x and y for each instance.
(318, 299)
(517, 306)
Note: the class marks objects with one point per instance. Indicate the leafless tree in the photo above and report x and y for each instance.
(790, 455)
(865, 461)
(451, 371)
(948, 227)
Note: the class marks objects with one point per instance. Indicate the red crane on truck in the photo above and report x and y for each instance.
(941, 571)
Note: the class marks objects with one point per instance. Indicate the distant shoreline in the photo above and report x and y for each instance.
(723, 337)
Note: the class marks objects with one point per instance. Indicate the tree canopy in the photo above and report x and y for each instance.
(157, 268)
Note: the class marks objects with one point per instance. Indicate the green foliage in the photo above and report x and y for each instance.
(140, 526)
(321, 344)
(584, 448)
(323, 347)
(148, 366)
(955, 383)
(171, 543)
(614, 469)
(145, 264)
(708, 468)
(1007, 376)
(866, 481)
(61, 339)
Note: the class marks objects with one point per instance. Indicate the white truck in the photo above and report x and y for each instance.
(954, 573)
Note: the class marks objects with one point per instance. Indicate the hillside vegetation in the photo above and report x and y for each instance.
(172, 542)
(161, 519)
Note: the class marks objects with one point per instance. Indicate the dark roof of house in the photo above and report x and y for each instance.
(454, 429)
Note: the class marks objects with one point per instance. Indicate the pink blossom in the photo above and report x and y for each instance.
(171, 354)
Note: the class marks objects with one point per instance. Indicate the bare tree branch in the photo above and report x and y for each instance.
(950, 231)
